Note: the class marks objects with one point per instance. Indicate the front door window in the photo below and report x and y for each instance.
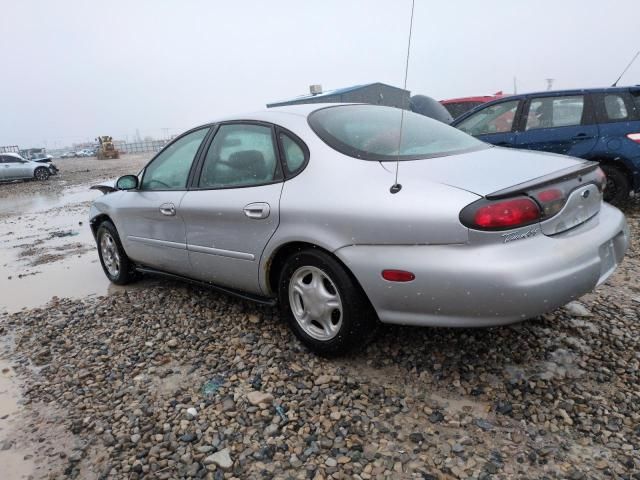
(170, 169)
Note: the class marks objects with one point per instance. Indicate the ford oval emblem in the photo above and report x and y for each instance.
(586, 194)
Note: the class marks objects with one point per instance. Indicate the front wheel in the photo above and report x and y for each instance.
(41, 174)
(115, 263)
(618, 186)
(324, 306)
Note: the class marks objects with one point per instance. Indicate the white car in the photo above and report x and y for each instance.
(14, 167)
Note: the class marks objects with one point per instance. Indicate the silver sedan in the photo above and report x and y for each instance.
(300, 206)
(14, 167)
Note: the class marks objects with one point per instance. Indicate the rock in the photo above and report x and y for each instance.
(188, 437)
(6, 445)
(577, 309)
(436, 417)
(331, 462)
(172, 343)
(135, 438)
(256, 397)
(322, 380)
(193, 412)
(222, 459)
(416, 437)
(484, 424)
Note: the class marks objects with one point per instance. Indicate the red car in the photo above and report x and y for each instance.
(458, 106)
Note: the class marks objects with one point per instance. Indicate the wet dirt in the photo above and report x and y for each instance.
(47, 249)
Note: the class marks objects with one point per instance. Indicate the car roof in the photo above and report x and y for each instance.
(574, 91)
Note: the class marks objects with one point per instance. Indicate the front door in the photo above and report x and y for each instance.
(494, 123)
(558, 124)
(149, 218)
(234, 208)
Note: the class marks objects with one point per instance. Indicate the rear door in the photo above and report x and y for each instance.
(15, 168)
(149, 219)
(234, 207)
(494, 123)
(558, 123)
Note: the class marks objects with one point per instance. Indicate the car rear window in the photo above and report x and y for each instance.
(372, 132)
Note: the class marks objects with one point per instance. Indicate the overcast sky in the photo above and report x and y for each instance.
(76, 69)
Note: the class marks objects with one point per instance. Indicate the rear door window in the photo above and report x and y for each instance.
(496, 118)
(551, 112)
(240, 155)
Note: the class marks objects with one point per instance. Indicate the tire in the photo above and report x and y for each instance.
(618, 185)
(326, 330)
(41, 173)
(115, 263)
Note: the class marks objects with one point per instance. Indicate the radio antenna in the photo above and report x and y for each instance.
(396, 187)
(626, 68)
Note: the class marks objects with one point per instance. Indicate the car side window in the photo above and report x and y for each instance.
(615, 107)
(636, 98)
(496, 118)
(170, 169)
(293, 153)
(550, 112)
(240, 155)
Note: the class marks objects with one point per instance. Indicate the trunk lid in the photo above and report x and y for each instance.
(484, 172)
(567, 190)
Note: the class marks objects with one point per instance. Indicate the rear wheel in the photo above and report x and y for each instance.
(618, 185)
(115, 263)
(41, 173)
(323, 304)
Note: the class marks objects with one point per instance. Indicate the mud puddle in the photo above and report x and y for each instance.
(47, 249)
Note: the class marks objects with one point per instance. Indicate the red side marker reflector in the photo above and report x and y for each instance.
(398, 275)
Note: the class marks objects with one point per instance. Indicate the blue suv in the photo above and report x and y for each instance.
(601, 124)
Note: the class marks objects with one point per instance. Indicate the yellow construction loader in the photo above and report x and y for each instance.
(106, 149)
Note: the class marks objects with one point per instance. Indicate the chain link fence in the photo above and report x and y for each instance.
(9, 149)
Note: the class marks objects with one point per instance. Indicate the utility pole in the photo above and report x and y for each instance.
(549, 83)
(515, 85)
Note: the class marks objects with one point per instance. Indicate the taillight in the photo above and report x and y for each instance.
(634, 136)
(551, 200)
(500, 214)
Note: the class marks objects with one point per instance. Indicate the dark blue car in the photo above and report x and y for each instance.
(601, 124)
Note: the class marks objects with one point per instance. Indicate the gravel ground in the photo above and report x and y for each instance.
(177, 382)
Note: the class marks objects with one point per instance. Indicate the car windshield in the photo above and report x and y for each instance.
(372, 132)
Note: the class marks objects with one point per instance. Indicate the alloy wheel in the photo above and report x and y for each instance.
(315, 303)
(110, 255)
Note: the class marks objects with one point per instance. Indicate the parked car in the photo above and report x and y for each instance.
(294, 205)
(601, 124)
(14, 167)
(460, 106)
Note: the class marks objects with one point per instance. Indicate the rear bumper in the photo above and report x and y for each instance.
(493, 284)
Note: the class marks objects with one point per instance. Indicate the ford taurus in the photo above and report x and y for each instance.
(300, 206)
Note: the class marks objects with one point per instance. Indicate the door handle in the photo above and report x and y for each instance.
(580, 136)
(257, 210)
(168, 209)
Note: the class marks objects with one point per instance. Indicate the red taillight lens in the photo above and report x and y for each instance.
(550, 195)
(634, 136)
(398, 275)
(507, 213)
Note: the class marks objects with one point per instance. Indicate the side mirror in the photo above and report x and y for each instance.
(127, 182)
